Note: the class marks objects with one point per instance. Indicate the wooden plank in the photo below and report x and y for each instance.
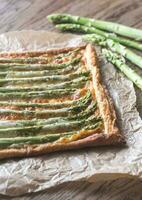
(121, 189)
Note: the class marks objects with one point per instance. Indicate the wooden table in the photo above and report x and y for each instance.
(31, 14)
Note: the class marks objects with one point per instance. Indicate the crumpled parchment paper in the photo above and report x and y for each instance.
(19, 176)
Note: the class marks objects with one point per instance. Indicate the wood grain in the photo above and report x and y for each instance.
(31, 14)
(121, 189)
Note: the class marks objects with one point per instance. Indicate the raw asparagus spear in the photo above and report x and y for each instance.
(115, 47)
(104, 25)
(119, 62)
(89, 30)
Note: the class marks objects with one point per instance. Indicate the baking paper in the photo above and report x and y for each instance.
(19, 176)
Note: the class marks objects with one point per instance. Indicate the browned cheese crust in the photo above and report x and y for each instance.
(111, 134)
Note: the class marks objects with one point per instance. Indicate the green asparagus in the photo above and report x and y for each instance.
(75, 83)
(115, 47)
(62, 112)
(24, 74)
(104, 25)
(49, 128)
(45, 79)
(119, 62)
(40, 94)
(89, 30)
(35, 67)
(54, 105)
(54, 119)
(17, 142)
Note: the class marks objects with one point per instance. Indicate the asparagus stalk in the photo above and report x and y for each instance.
(40, 94)
(33, 122)
(90, 30)
(115, 47)
(48, 112)
(20, 141)
(39, 66)
(48, 105)
(49, 128)
(44, 79)
(119, 62)
(74, 84)
(104, 25)
(84, 114)
(24, 74)
(47, 79)
(39, 139)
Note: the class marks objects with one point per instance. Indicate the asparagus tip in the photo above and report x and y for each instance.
(69, 27)
(52, 17)
(55, 18)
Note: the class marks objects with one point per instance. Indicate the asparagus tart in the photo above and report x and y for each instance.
(54, 100)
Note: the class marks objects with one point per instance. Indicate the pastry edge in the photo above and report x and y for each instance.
(91, 141)
(102, 96)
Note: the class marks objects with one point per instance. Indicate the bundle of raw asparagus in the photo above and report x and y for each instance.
(104, 34)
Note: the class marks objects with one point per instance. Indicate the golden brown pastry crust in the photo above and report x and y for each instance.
(111, 135)
(104, 102)
(38, 53)
(93, 140)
